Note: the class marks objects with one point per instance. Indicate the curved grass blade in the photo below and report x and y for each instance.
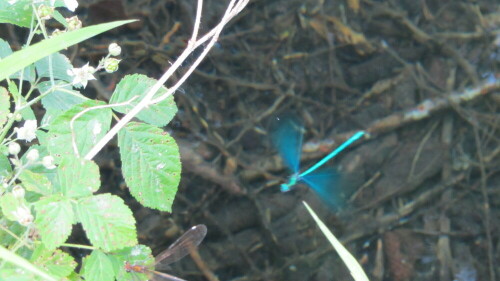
(352, 264)
(21, 59)
(287, 138)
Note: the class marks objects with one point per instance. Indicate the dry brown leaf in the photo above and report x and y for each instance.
(353, 5)
(319, 26)
(347, 35)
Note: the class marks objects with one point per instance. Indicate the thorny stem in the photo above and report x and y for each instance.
(234, 7)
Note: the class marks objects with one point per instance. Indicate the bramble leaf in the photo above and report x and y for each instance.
(77, 177)
(138, 85)
(108, 222)
(98, 266)
(88, 129)
(36, 182)
(151, 164)
(57, 263)
(54, 220)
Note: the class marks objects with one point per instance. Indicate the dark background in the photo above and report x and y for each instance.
(427, 200)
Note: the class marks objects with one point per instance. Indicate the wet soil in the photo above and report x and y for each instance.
(427, 199)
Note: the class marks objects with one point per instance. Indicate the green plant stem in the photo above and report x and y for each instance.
(7, 127)
(78, 246)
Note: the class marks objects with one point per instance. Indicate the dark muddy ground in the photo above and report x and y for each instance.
(427, 200)
(412, 73)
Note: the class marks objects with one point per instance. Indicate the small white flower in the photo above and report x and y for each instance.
(27, 132)
(48, 162)
(82, 75)
(114, 49)
(18, 191)
(33, 155)
(70, 4)
(23, 215)
(12, 2)
(14, 148)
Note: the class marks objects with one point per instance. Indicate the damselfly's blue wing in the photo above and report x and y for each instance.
(327, 185)
(287, 137)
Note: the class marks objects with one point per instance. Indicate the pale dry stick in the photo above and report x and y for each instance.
(80, 114)
(232, 10)
(214, 35)
(419, 150)
(486, 206)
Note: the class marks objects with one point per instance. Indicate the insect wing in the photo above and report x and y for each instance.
(287, 138)
(182, 246)
(326, 182)
(160, 276)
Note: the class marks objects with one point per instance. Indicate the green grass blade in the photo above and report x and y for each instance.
(21, 262)
(352, 264)
(23, 58)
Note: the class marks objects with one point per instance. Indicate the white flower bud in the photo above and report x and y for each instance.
(71, 4)
(27, 131)
(18, 191)
(33, 155)
(111, 65)
(114, 49)
(74, 23)
(48, 162)
(23, 215)
(45, 12)
(14, 148)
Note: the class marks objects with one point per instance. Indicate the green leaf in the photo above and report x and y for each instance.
(57, 263)
(137, 255)
(150, 163)
(62, 98)
(10, 205)
(28, 72)
(36, 182)
(54, 220)
(60, 67)
(88, 129)
(108, 222)
(5, 49)
(27, 113)
(97, 266)
(5, 167)
(4, 105)
(138, 85)
(77, 177)
(19, 13)
(21, 59)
